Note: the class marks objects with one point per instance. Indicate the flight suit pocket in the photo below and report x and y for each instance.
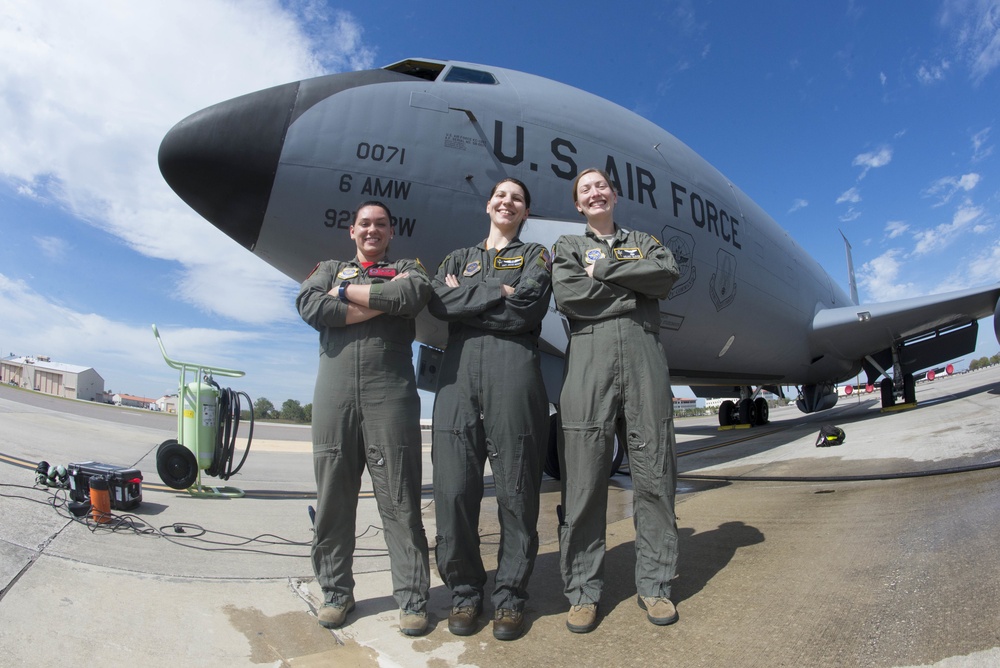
(583, 455)
(453, 460)
(647, 458)
(653, 461)
(508, 469)
(387, 473)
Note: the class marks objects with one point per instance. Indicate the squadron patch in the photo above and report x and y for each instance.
(348, 272)
(628, 254)
(545, 260)
(472, 268)
(508, 262)
(595, 254)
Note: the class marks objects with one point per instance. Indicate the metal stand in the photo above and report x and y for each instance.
(199, 371)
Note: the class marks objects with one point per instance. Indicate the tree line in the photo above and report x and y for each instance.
(292, 410)
(984, 362)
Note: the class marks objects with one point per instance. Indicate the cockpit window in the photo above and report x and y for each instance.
(430, 71)
(418, 68)
(465, 75)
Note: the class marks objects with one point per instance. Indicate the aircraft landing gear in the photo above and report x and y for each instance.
(899, 386)
(889, 394)
(748, 410)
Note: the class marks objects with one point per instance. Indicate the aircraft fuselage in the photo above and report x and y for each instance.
(739, 314)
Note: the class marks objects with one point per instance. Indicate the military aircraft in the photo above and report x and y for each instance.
(282, 170)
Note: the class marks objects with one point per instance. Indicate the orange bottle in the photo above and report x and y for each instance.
(100, 500)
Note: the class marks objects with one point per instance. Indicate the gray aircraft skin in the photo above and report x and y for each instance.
(281, 171)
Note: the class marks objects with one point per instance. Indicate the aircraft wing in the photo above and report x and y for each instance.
(869, 330)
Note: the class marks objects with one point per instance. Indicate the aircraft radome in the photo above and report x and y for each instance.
(281, 170)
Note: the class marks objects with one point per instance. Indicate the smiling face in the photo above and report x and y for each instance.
(593, 195)
(507, 206)
(371, 231)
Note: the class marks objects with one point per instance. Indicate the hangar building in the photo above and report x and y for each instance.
(62, 380)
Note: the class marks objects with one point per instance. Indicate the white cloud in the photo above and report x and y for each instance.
(54, 248)
(878, 158)
(945, 188)
(88, 90)
(879, 278)
(852, 214)
(798, 204)
(929, 74)
(895, 228)
(976, 26)
(985, 267)
(936, 239)
(933, 73)
(852, 196)
(980, 149)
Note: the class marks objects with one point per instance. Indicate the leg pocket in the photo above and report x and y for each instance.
(385, 465)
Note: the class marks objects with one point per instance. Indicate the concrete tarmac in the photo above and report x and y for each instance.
(791, 555)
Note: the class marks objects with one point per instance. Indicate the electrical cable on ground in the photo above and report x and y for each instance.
(184, 534)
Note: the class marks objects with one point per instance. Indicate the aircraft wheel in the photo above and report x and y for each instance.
(762, 410)
(727, 409)
(176, 465)
(909, 389)
(618, 452)
(747, 413)
(888, 396)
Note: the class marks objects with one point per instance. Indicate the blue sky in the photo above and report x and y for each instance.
(878, 119)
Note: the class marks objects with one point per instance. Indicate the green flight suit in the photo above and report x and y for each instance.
(490, 403)
(616, 371)
(366, 410)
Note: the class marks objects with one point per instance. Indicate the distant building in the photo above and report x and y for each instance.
(62, 380)
(132, 401)
(685, 403)
(167, 403)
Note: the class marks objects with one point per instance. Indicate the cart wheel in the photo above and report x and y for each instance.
(176, 465)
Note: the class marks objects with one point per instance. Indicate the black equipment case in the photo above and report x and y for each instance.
(124, 484)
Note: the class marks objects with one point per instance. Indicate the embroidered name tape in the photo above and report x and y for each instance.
(382, 272)
(508, 262)
(628, 254)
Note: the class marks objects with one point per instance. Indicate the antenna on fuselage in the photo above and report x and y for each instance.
(850, 270)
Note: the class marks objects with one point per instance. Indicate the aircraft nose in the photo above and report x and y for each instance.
(221, 160)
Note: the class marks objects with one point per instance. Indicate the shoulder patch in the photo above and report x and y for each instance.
(472, 268)
(348, 272)
(628, 254)
(545, 260)
(419, 264)
(313, 270)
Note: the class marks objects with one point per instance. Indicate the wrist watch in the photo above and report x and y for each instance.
(342, 292)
